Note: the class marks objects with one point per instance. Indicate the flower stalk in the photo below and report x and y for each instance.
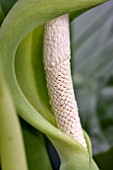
(12, 152)
(58, 75)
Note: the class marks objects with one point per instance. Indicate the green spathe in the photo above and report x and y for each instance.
(22, 19)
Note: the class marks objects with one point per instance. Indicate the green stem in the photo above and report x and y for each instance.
(11, 144)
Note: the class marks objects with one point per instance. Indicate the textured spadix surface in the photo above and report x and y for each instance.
(58, 75)
(22, 19)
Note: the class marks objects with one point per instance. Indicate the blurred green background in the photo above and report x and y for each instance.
(92, 69)
(92, 72)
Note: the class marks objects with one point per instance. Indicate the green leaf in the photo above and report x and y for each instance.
(11, 145)
(7, 5)
(1, 15)
(93, 56)
(36, 153)
(105, 159)
(24, 17)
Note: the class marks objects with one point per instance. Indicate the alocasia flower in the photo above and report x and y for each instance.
(24, 72)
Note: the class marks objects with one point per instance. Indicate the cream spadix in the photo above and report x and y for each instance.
(58, 76)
